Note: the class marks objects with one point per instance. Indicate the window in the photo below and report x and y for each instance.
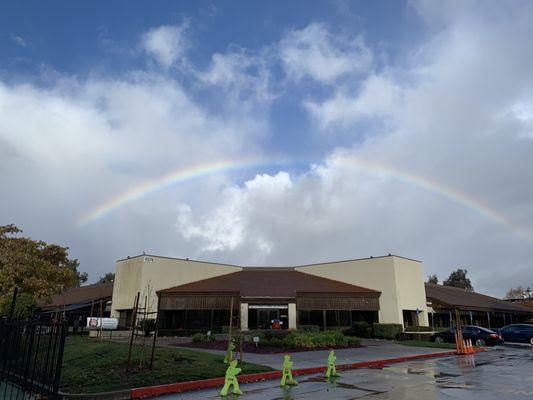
(198, 319)
(344, 318)
(311, 317)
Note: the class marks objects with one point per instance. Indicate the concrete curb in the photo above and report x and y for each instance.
(180, 387)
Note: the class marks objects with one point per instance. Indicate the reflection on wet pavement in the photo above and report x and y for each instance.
(501, 373)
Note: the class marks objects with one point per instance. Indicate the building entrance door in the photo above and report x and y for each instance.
(265, 318)
(260, 316)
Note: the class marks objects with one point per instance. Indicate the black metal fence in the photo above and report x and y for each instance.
(31, 354)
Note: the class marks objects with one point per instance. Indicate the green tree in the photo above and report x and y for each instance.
(459, 279)
(40, 270)
(81, 278)
(107, 278)
(433, 279)
(25, 306)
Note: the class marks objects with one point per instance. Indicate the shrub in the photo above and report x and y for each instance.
(225, 329)
(359, 329)
(419, 329)
(352, 341)
(147, 326)
(387, 331)
(199, 337)
(312, 340)
(274, 342)
(179, 332)
(309, 328)
(402, 336)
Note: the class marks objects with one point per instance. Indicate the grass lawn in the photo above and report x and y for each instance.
(423, 343)
(91, 366)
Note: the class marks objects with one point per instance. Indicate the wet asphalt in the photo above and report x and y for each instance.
(500, 373)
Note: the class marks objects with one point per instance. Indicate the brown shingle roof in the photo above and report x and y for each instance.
(82, 294)
(462, 298)
(270, 282)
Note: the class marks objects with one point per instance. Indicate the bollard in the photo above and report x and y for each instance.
(231, 379)
(287, 378)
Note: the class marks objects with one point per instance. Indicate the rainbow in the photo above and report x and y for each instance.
(434, 187)
(174, 178)
(224, 166)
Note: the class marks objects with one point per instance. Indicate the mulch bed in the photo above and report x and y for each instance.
(248, 347)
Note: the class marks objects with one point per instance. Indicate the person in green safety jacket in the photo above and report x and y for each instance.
(331, 371)
(231, 379)
(287, 378)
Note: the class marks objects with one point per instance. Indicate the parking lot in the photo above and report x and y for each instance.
(500, 373)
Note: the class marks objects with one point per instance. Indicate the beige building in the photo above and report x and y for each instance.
(333, 294)
(399, 279)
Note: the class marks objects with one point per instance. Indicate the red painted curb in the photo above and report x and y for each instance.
(179, 387)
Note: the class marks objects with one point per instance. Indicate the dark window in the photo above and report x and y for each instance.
(220, 319)
(332, 320)
(198, 319)
(311, 317)
(303, 317)
(124, 319)
(172, 319)
(364, 316)
(344, 318)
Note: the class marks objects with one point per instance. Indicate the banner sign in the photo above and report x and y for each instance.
(268, 306)
(102, 323)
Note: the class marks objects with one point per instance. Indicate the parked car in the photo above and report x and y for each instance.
(478, 335)
(519, 333)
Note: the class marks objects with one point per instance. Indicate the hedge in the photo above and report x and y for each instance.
(179, 332)
(420, 328)
(309, 328)
(359, 329)
(387, 331)
(311, 340)
(402, 336)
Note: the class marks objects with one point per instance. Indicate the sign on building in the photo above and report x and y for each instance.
(102, 323)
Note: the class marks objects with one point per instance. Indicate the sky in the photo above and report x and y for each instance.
(272, 133)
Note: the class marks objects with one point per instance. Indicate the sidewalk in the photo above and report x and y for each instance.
(374, 354)
(372, 350)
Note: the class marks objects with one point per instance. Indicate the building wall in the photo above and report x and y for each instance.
(137, 274)
(127, 283)
(399, 280)
(410, 287)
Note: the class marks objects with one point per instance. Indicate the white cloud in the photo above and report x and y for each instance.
(232, 223)
(457, 153)
(241, 75)
(166, 44)
(19, 40)
(378, 96)
(317, 53)
(73, 144)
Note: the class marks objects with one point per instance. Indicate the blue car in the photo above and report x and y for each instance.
(518, 333)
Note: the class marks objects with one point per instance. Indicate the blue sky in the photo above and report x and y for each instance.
(293, 132)
(88, 39)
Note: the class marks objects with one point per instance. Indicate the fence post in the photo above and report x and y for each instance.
(13, 303)
(59, 363)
